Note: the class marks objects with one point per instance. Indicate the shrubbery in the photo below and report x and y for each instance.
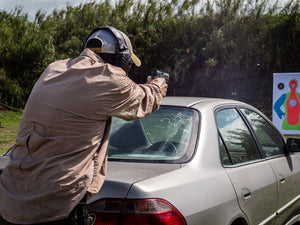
(220, 48)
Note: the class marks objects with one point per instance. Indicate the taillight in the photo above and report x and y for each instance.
(135, 212)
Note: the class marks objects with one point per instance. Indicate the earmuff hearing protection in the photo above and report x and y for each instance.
(122, 52)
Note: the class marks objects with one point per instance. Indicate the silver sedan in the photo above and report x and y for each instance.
(200, 161)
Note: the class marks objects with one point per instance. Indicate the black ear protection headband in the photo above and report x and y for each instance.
(123, 53)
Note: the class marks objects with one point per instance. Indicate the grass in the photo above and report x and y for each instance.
(10, 121)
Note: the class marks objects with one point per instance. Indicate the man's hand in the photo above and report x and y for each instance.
(160, 82)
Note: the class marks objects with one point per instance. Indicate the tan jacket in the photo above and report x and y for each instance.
(61, 148)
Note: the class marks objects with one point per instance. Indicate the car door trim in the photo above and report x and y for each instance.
(280, 210)
(288, 204)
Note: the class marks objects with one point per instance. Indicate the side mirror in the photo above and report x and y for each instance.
(293, 145)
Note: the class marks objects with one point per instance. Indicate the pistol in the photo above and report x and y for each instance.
(157, 73)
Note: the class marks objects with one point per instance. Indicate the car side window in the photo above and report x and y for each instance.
(236, 136)
(271, 142)
(223, 154)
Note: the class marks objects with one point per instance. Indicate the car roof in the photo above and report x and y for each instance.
(191, 101)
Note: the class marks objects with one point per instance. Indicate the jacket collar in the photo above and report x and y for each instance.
(91, 54)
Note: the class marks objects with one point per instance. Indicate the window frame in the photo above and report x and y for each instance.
(263, 156)
(244, 119)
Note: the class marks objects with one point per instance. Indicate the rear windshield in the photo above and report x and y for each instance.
(168, 135)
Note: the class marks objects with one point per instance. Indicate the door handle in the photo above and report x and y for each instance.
(281, 179)
(246, 193)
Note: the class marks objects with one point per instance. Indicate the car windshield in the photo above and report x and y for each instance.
(168, 134)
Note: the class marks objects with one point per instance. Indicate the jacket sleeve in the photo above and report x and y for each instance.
(135, 101)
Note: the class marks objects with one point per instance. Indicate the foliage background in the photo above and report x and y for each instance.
(215, 48)
(10, 121)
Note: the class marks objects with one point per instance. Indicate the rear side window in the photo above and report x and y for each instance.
(237, 138)
(224, 154)
(271, 142)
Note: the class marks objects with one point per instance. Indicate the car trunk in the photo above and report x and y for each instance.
(122, 175)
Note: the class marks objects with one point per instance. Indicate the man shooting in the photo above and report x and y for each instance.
(60, 154)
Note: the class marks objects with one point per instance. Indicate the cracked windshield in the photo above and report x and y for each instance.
(163, 135)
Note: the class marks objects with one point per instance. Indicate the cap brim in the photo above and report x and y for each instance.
(136, 60)
(97, 50)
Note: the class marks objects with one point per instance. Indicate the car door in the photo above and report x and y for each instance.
(252, 177)
(286, 166)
